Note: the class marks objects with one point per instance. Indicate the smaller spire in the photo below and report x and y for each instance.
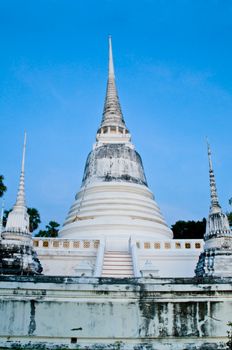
(20, 201)
(18, 218)
(215, 260)
(215, 206)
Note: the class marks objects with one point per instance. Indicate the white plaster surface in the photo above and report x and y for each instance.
(117, 209)
(172, 258)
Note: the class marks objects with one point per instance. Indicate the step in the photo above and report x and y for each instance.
(117, 252)
(117, 274)
(125, 255)
(127, 268)
(117, 260)
(116, 270)
(119, 263)
(117, 267)
(117, 256)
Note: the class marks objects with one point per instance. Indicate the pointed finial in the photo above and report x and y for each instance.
(215, 206)
(111, 62)
(20, 201)
(209, 154)
(24, 151)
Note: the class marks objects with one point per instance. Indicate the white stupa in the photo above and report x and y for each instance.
(115, 228)
(114, 200)
(17, 254)
(17, 225)
(216, 259)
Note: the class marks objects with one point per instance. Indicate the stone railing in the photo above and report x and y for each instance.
(100, 259)
(133, 251)
(62, 244)
(174, 245)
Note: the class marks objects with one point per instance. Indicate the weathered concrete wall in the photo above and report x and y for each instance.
(93, 313)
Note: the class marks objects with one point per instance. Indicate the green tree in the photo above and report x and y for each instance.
(5, 216)
(3, 187)
(34, 218)
(51, 230)
(189, 229)
(229, 215)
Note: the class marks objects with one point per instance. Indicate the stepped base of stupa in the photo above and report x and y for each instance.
(214, 262)
(116, 211)
(18, 258)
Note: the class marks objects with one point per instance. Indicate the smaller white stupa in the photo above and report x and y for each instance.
(17, 226)
(17, 255)
(216, 259)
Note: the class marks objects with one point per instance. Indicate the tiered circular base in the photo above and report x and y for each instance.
(116, 211)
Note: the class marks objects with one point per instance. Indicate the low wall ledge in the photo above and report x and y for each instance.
(114, 281)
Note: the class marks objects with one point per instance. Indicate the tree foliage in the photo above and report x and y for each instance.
(192, 229)
(189, 229)
(5, 216)
(3, 187)
(51, 230)
(34, 218)
(229, 215)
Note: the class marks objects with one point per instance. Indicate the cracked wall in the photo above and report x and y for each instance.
(166, 314)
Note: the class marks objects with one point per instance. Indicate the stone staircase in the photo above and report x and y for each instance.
(117, 264)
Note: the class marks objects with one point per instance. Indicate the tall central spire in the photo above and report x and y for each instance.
(215, 206)
(112, 128)
(112, 113)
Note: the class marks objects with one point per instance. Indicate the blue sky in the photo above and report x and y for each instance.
(173, 62)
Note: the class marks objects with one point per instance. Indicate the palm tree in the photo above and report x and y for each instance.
(51, 230)
(3, 188)
(34, 218)
(5, 216)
